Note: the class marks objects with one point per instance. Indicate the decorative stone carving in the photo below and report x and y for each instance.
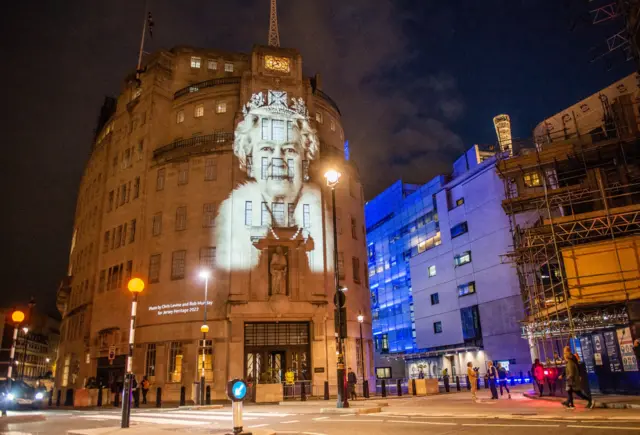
(278, 269)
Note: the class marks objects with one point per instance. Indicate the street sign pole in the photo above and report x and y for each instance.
(237, 391)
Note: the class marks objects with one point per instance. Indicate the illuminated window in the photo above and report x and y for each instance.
(319, 117)
(180, 116)
(154, 268)
(459, 230)
(221, 107)
(467, 289)
(210, 169)
(183, 173)
(341, 274)
(432, 270)
(181, 218)
(132, 231)
(277, 208)
(178, 260)
(65, 370)
(532, 179)
(175, 362)
(265, 129)
(208, 257)
(212, 64)
(160, 179)
(199, 111)
(459, 202)
(306, 216)
(435, 299)
(136, 188)
(150, 360)
(195, 62)
(248, 210)
(383, 372)
(437, 327)
(385, 343)
(208, 215)
(333, 125)
(156, 225)
(461, 259)
(228, 67)
(355, 264)
(264, 215)
(277, 130)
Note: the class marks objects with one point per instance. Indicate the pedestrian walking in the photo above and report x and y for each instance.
(352, 379)
(492, 375)
(145, 389)
(538, 374)
(573, 381)
(134, 390)
(473, 381)
(504, 382)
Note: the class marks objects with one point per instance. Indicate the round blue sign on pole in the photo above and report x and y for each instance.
(237, 390)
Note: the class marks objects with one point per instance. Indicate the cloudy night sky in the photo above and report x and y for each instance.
(417, 82)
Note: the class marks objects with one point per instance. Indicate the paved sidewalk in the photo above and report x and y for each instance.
(608, 401)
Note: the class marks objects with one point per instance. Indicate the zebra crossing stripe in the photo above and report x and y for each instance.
(136, 419)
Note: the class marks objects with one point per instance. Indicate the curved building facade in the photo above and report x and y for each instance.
(215, 161)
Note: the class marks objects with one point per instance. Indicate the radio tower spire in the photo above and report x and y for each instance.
(274, 35)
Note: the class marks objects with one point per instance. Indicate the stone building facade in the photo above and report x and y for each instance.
(215, 160)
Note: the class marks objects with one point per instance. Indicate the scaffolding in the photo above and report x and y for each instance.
(573, 201)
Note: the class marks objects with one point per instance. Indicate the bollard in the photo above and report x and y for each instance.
(158, 397)
(303, 393)
(116, 400)
(458, 383)
(182, 396)
(413, 387)
(51, 397)
(68, 400)
(100, 396)
(208, 395)
(58, 398)
(468, 383)
(384, 388)
(399, 387)
(446, 384)
(326, 390)
(365, 387)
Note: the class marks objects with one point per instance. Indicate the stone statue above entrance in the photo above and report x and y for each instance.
(278, 271)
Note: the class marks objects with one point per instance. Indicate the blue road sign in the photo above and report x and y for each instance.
(237, 390)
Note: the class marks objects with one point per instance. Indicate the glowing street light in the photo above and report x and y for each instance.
(135, 286)
(333, 177)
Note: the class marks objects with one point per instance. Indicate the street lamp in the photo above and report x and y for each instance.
(17, 317)
(135, 286)
(204, 274)
(333, 177)
(25, 331)
(365, 383)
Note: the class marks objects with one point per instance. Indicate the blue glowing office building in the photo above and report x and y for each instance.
(401, 222)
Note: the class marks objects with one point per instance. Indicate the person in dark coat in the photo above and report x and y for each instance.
(573, 381)
(504, 382)
(352, 380)
(492, 375)
(537, 371)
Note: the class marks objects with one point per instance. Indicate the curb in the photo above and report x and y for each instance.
(599, 404)
(200, 407)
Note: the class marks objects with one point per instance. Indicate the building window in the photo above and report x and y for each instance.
(154, 268)
(459, 230)
(140, 148)
(156, 226)
(183, 173)
(65, 369)
(461, 259)
(248, 210)
(355, 263)
(180, 117)
(385, 343)
(265, 168)
(319, 117)
(175, 362)
(341, 274)
(101, 281)
(354, 228)
(199, 111)
(178, 260)
(532, 179)
(383, 372)
(228, 67)
(467, 289)
(210, 169)
(208, 257)
(277, 208)
(195, 62)
(105, 245)
(435, 299)
(306, 216)
(221, 107)
(459, 202)
(333, 125)
(126, 158)
(208, 215)
(181, 218)
(432, 270)
(212, 65)
(437, 327)
(264, 215)
(160, 179)
(132, 231)
(123, 194)
(471, 328)
(150, 360)
(136, 188)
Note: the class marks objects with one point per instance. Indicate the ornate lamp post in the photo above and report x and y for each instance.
(365, 383)
(17, 317)
(204, 274)
(333, 177)
(135, 286)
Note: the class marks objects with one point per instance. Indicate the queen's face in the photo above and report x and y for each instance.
(277, 165)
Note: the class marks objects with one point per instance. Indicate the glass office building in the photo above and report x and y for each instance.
(401, 222)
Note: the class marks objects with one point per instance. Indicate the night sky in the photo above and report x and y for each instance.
(417, 82)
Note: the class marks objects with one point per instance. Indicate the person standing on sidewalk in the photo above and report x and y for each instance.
(352, 379)
(145, 389)
(573, 381)
(473, 381)
(504, 382)
(538, 374)
(492, 374)
(134, 391)
(552, 378)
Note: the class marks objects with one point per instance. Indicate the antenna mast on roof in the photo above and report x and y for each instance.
(274, 35)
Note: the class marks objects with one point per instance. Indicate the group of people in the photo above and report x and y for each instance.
(117, 388)
(496, 375)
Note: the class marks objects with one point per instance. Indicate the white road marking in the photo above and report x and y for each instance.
(319, 418)
(290, 421)
(255, 426)
(153, 420)
(162, 416)
(354, 421)
(228, 413)
(438, 423)
(509, 425)
(602, 427)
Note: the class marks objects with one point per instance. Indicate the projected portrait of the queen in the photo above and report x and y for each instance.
(274, 144)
